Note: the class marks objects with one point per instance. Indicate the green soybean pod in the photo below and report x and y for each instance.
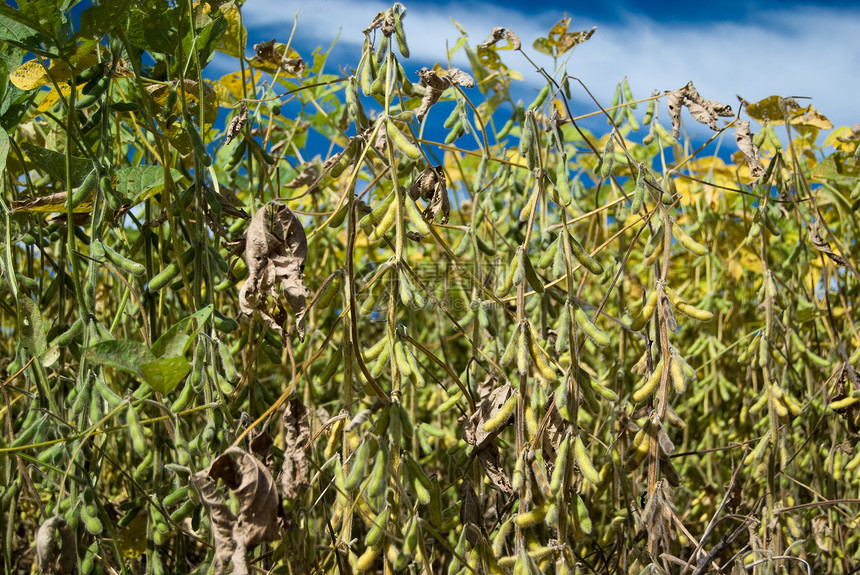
(359, 464)
(85, 190)
(90, 98)
(548, 255)
(649, 112)
(540, 98)
(197, 143)
(501, 417)
(561, 459)
(185, 510)
(625, 89)
(584, 461)
(607, 160)
(592, 331)
(353, 105)
(506, 129)
(366, 74)
(452, 118)
(528, 141)
(639, 191)
(228, 367)
(135, 430)
(92, 73)
(415, 216)
(374, 537)
(163, 279)
(122, 262)
(584, 257)
(71, 334)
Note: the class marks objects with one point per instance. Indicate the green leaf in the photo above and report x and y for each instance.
(30, 327)
(4, 148)
(54, 163)
(176, 341)
(98, 20)
(153, 26)
(138, 183)
(163, 375)
(122, 354)
(838, 168)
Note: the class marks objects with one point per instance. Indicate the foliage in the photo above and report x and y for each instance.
(528, 348)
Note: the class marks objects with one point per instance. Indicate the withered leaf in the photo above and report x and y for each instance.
(236, 124)
(458, 77)
(823, 245)
(496, 35)
(53, 559)
(488, 457)
(257, 520)
(471, 513)
(473, 428)
(275, 253)
(435, 86)
(703, 111)
(743, 137)
(276, 54)
(308, 175)
(294, 473)
(431, 185)
(515, 40)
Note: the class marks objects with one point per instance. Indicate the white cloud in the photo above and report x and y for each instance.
(791, 52)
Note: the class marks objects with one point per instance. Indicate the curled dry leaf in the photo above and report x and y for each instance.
(743, 137)
(279, 55)
(53, 559)
(488, 457)
(236, 124)
(308, 175)
(434, 86)
(496, 35)
(294, 473)
(257, 521)
(431, 185)
(473, 428)
(471, 512)
(823, 245)
(703, 111)
(458, 77)
(516, 44)
(275, 253)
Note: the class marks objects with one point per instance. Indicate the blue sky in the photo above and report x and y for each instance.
(728, 48)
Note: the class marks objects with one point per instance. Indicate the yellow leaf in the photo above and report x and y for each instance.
(29, 75)
(235, 31)
(229, 87)
(160, 92)
(53, 97)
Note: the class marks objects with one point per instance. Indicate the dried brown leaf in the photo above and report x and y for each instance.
(275, 253)
(458, 77)
(473, 428)
(309, 173)
(431, 185)
(516, 44)
(435, 86)
(257, 521)
(488, 457)
(471, 512)
(496, 35)
(294, 473)
(744, 139)
(53, 559)
(236, 124)
(703, 111)
(823, 245)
